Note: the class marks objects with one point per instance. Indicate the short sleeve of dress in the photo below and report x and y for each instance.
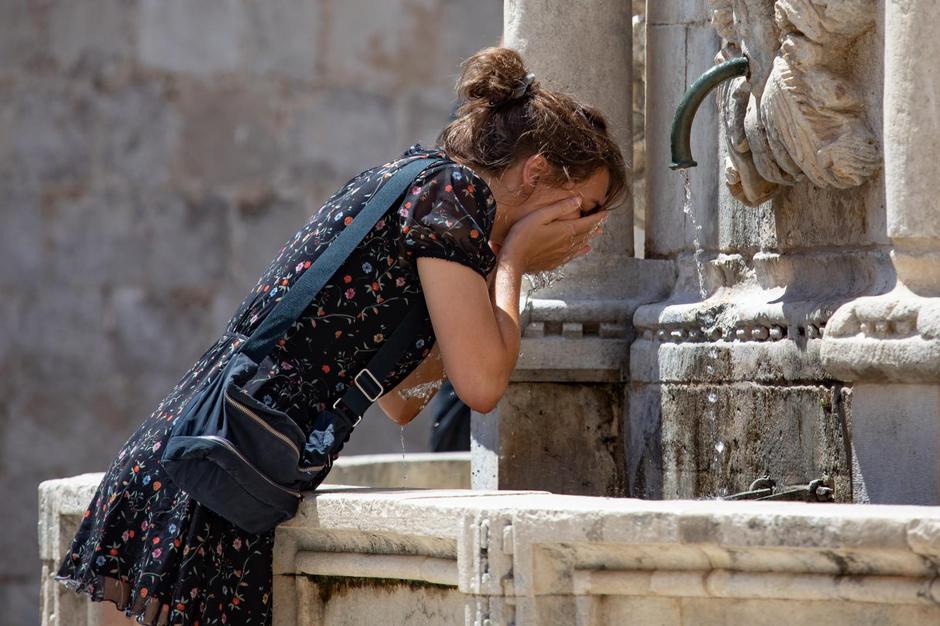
(448, 214)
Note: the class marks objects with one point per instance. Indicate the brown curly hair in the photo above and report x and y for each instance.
(501, 121)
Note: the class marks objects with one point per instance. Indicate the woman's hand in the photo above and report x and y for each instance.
(552, 235)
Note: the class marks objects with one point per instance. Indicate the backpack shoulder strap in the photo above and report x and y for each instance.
(292, 305)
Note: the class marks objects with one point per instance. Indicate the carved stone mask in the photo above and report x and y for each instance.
(797, 115)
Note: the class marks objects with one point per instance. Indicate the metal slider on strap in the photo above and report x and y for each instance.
(374, 381)
(336, 406)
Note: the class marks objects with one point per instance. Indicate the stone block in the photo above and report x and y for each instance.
(140, 130)
(710, 612)
(24, 36)
(638, 610)
(678, 12)
(470, 27)
(643, 442)
(421, 115)
(679, 55)
(716, 440)
(807, 216)
(90, 32)
(229, 134)
(406, 603)
(187, 242)
(192, 38)
(896, 438)
(438, 470)
(62, 332)
(158, 332)
(665, 225)
(388, 44)
(257, 231)
(20, 597)
(22, 260)
(341, 132)
(282, 38)
(50, 134)
(561, 437)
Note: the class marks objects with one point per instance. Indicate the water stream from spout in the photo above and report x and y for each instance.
(689, 212)
(404, 466)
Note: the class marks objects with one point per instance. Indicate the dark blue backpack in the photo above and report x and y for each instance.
(249, 462)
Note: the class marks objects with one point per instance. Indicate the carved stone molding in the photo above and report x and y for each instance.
(894, 337)
(798, 114)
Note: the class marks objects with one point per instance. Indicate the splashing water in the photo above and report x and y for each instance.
(696, 233)
(422, 391)
(544, 279)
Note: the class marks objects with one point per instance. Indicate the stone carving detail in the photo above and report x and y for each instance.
(797, 115)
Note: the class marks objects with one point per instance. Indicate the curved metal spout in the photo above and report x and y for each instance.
(685, 113)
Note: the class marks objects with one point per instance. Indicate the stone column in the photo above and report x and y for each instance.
(888, 346)
(559, 427)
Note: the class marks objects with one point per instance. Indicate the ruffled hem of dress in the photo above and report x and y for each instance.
(150, 611)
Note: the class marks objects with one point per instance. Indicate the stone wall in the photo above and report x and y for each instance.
(154, 155)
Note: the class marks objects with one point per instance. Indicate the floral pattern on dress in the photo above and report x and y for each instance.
(148, 546)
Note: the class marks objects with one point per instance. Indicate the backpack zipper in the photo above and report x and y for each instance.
(231, 447)
(273, 431)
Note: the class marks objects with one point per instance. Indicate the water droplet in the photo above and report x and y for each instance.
(720, 447)
(712, 397)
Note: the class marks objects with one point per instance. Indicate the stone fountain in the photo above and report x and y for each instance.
(782, 331)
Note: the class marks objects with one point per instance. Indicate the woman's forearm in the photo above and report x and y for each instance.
(505, 289)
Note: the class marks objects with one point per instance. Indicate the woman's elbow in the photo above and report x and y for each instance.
(481, 398)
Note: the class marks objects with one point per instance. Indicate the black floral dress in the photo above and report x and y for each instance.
(148, 546)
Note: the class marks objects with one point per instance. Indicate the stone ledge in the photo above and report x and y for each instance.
(516, 557)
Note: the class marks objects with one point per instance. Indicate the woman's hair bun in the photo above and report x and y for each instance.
(493, 75)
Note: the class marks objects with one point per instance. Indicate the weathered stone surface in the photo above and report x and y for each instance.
(674, 54)
(677, 13)
(343, 131)
(96, 32)
(47, 133)
(229, 134)
(422, 114)
(716, 440)
(140, 134)
(562, 437)
(437, 470)
(896, 441)
(283, 38)
(479, 24)
(203, 38)
(797, 113)
(390, 48)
